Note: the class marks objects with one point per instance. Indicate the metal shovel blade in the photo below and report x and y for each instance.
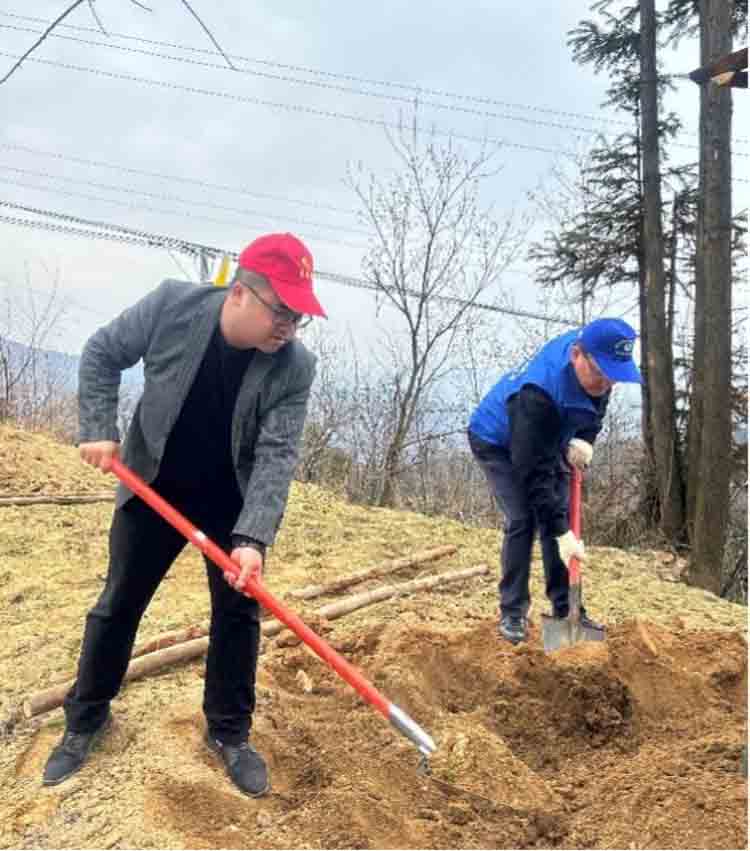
(565, 632)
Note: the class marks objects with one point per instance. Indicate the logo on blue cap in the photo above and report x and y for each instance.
(624, 348)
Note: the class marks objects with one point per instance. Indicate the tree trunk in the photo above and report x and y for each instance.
(711, 430)
(660, 369)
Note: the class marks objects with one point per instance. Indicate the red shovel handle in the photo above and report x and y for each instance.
(574, 568)
(254, 588)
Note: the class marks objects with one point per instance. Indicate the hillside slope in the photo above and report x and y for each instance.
(633, 743)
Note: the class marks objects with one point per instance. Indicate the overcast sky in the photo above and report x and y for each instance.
(285, 165)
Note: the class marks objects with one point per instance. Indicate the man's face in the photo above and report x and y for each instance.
(590, 377)
(254, 317)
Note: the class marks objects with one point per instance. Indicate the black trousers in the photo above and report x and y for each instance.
(520, 526)
(142, 548)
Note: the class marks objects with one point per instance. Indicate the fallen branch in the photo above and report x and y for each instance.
(372, 573)
(56, 500)
(150, 663)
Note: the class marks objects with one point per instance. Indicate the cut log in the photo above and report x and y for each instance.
(56, 500)
(150, 663)
(169, 639)
(358, 601)
(372, 573)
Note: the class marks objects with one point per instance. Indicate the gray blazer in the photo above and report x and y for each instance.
(170, 330)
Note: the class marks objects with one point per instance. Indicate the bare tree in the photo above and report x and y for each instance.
(326, 451)
(435, 252)
(28, 322)
(75, 4)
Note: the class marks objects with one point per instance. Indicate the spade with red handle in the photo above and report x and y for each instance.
(254, 588)
(562, 632)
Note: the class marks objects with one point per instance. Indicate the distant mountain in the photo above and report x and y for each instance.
(61, 367)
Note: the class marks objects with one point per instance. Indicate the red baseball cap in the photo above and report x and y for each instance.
(287, 264)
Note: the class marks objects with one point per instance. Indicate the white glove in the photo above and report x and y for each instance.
(570, 547)
(579, 453)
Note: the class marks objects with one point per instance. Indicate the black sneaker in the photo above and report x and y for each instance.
(244, 765)
(71, 754)
(513, 627)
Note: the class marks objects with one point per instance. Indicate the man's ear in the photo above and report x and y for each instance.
(234, 291)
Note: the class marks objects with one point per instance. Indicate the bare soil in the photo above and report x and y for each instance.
(634, 743)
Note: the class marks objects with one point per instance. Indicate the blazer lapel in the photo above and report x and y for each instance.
(251, 383)
(201, 330)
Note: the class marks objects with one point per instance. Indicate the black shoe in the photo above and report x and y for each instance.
(244, 765)
(71, 754)
(513, 627)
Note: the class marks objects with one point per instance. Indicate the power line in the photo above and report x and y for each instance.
(298, 108)
(482, 113)
(361, 119)
(221, 187)
(318, 84)
(105, 231)
(416, 90)
(411, 87)
(129, 190)
(149, 209)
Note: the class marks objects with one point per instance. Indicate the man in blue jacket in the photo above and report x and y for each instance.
(533, 425)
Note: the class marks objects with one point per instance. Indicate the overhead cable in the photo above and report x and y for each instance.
(361, 119)
(417, 90)
(88, 228)
(129, 190)
(298, 108)
(410, 100)
(192, 181)
(71, 193)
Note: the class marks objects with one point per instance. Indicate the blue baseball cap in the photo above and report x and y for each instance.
(610, 342)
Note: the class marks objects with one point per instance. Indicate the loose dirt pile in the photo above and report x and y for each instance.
(632, 743)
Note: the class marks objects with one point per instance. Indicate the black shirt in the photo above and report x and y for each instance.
(197, 467)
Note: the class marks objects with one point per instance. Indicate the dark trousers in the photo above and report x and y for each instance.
(520, 527)
(142, 548)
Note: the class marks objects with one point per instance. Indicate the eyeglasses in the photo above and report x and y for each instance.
(282, 315)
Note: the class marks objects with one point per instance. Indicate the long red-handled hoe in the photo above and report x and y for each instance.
(253, 588)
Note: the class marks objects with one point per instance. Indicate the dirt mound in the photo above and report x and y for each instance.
(632, 743)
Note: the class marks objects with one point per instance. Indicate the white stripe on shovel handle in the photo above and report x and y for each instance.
(253, 588)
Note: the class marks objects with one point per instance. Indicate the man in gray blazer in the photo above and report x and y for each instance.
(217, 434)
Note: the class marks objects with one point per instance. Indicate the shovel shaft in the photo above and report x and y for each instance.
(254, 588)
(574, 567)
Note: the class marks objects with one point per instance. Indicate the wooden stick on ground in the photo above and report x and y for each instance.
(168, 639)
(51, 499)
(53, 697)
(372, 573)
